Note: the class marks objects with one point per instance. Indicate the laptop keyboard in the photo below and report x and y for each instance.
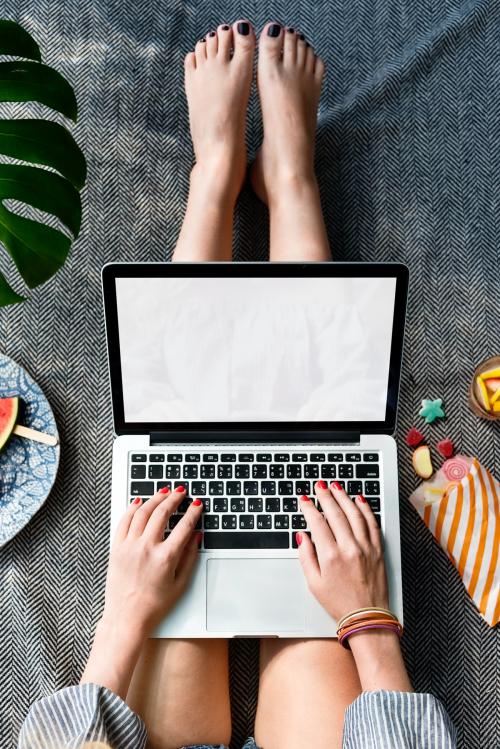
(251, 499)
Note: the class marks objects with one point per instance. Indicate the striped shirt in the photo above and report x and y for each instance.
(89, 716)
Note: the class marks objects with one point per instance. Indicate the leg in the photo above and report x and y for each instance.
(305, 686)
(289, 82)
(218, 85)
(180, 689)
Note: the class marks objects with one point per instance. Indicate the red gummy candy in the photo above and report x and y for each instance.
(445, 448)
(414, 438)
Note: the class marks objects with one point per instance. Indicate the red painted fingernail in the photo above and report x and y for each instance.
(199, 538)
(298, 538)
(361, 498)
(321, 484)
(164, 490)
(137, 501)
(336, 485)
(305, 499)
(197, 502)
(179, 488)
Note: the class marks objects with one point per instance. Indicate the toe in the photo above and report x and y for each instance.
(271, 40)
(301, 50)
(190, 61)
(244, 38)
(309, 60)
(225, 41)
(319, 69)
(289, 46)
(200, 51)
(212, 44)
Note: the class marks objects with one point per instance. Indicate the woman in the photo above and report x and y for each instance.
(313, 693)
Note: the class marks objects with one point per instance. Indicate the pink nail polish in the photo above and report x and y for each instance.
(298, 538)
(164, 490)
(321, 484)
(361, 498)
(336, 485)
(305, 499)
(197, 502)
(137, 501)
(180, 488)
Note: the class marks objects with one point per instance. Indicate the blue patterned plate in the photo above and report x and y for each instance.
(27, 469)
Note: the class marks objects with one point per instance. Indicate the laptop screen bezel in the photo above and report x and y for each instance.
(292, 430)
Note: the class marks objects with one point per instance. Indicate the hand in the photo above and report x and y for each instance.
(345, 567)
(147, 574)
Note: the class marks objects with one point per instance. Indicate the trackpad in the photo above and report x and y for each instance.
(255, 595)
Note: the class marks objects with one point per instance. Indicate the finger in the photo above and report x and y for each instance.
(320, 530)
(308, 559)
(187, 561)
(140, 519)
(155, 528)
(335, 515)
(354, 517)
(124, 524)
(183, 531)
(374, 532)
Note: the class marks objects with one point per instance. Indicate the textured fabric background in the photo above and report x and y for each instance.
(409, 163)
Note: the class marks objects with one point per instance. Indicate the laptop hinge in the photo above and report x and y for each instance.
(250, 435)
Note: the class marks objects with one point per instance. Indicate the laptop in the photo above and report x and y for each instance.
(246, 383)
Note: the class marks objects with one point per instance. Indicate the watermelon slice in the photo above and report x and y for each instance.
(9, 408)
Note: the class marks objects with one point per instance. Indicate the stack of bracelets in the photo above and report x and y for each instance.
(364, 619)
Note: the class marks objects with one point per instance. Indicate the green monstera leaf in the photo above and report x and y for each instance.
(38, 250)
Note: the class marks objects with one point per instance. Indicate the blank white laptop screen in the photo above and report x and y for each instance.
(255, 349)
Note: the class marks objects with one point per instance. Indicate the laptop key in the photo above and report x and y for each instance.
(378, 519)
(206, 504)
(276, 471)
(192, 458)
(173, 520)
(285, 488)
(298, 522)
(345, 471)
(328, 471)
(374, 503)
(354, 487)
(289, 504)
(207, 472)
(281, 521)
(155, 472)
(367, 472)
(246, 522)
(250, 487)
(281, 457)
(220, 504)
(233, 488)
(268, 487)
(272, 504)
(302, 487)
(211, 522)
(183, 507)
(242, 472)
(294, 471)
(264, 522)
(224, 471)
(136, 458)
(190, 472)
(247, 540)
(372, 487)
(294, 539)
(299, 457)
(238, 504)
(353, 457)
(246, 457)
(172, 472)
(198, 487)
(142, 488)
(228, 523)
(174, 458)
(216, 487)
(335, 457)
(163, 485)
(156, 458)
(228, 458)
(311, 472)
(254, 504)
(317, 457)
(183, 483)
(138, 472)
(264, 457)
(210, 458)
(370, 457)
(259, 472)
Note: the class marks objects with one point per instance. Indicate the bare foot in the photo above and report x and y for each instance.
(218, 77)
(289, 81)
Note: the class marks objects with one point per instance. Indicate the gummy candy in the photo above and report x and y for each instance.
(432, 410)
(445, 448)
(414, 437)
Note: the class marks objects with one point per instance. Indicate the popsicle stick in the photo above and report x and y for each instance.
(33, 434)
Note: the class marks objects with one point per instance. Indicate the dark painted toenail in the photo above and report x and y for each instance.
(274, 30)
(243, 29)
(307, 44)
(212, 33)
(290, 30)
(301, 36)
(203, 40)
(225, 28)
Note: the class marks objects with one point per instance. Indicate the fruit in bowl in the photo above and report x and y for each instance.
(484, 396)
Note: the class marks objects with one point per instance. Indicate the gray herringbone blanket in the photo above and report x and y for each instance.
(409, 165)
